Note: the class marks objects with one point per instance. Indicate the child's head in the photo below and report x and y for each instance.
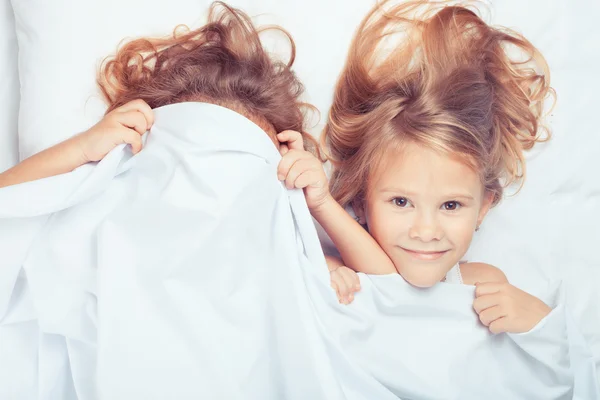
(222, 62)
(423, 135)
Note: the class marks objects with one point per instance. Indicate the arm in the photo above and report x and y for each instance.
(300, 169)
(475, 273)
(358, 249)
(333, 263)
(122, 125)
(59, 159)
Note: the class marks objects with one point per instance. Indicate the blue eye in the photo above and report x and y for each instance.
(400, 202)
(451, 205)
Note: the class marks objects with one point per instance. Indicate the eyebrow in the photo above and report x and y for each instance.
(411, 194)
(460, 196)
(397, 190)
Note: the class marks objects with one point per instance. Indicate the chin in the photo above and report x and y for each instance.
(422, 282)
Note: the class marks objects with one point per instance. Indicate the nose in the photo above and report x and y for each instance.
(425, 227)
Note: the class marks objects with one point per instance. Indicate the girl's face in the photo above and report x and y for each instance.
(422, 208)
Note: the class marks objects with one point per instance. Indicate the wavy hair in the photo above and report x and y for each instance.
(222, 62)
(437, 75)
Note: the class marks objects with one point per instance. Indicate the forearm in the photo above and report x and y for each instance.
(59, 159)
(358, 249)
(333, 263)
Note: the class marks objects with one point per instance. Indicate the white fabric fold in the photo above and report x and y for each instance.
(189, 271)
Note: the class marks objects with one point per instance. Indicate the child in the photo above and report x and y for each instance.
(423, 138)
(223, 63)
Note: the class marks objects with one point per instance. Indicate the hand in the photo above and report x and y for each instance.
(300, 169)
(345, 282)
(123, 125)
(505, 308)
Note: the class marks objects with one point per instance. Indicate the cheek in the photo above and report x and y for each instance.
(384, 224)
(460, 231)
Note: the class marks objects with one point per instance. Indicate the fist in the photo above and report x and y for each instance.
(345, 282)
(123, 125)
(300, 169)
(504, 308)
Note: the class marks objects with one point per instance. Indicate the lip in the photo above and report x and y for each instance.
(425, 255)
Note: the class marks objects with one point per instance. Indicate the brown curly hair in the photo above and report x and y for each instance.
(222, 62)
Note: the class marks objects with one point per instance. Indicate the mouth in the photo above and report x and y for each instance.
(425, 255)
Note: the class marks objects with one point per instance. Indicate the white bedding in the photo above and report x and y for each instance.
(189, 271)
(547, 232)
(9, 87)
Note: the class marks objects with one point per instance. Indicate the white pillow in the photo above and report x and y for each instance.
(63, 41)
(9, 89)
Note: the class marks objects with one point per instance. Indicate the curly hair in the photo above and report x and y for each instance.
(437, 75)
(222, 62)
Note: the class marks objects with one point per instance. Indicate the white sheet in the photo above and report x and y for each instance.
(9, 89)
(549, 231)
(189, 271)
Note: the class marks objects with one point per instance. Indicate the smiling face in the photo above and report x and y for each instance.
(422, 207)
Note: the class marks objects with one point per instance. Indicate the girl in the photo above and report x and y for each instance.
(423, 136)
(223, 63)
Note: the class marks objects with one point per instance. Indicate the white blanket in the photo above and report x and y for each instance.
(189, 271)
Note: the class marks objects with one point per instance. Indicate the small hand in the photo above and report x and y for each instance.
(345, 282)
(301, 169)
(504, 308)
(123, 125)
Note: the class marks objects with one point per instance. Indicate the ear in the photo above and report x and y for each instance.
(359, 210)
(486, 205)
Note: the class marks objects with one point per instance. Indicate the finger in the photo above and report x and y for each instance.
(344, 291)
(293, 139)
(486, 301)
(491, 314)
(309, 178)
(344, 294)
(347, 299)
(482, 289)
(342, 286)
(283, 149)
(335, 287)
(288, 160)
(347, 275)
(297, 169)
(132, 138)
(134, 120)
(139, 106)
(499, 326)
